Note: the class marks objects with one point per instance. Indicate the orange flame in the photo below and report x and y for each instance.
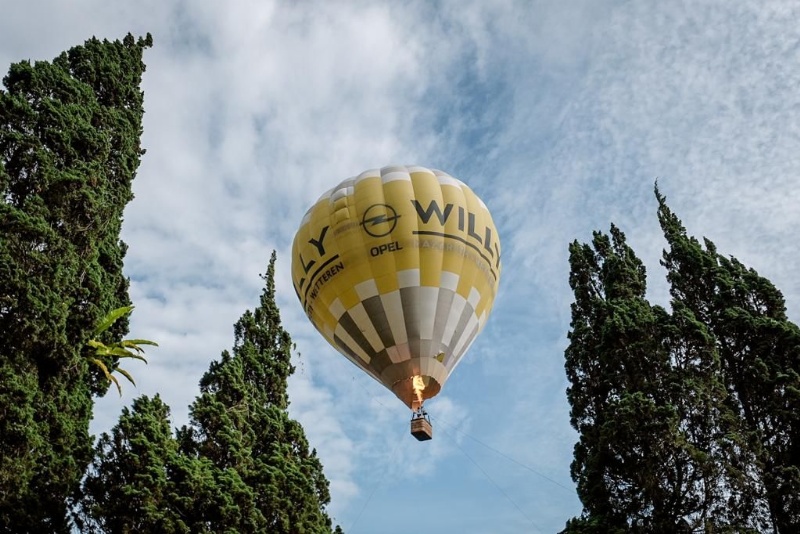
(419, 386)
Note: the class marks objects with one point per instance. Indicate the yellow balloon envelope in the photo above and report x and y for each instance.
(398, 269)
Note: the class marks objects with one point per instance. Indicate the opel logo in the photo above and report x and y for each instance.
(379, 220)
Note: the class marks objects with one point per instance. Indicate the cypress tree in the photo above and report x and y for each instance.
(129, 487)
(69, 149)
(269, 479)
(759, 351)
(633, 463)
(688, 419)
(241, 465)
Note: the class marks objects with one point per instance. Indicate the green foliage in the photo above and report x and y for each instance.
(127, 348)
(69, 149)
(759, 351)
(688, 419)
(241, 465)
(128, 483)
(591, 525)
(622, 403)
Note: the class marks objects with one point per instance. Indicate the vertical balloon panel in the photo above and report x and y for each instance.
(398, 269)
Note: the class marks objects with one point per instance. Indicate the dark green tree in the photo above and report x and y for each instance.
(666, 442)
(270, 480)
(242, 465)
(69, 149)
(634, 463)
(129, 487)
(759, 351)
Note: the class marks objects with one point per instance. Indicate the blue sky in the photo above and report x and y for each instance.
(559, 114)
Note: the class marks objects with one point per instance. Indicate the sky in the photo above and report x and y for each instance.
(559, 114)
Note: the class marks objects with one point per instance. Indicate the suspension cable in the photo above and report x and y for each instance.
(473, 438)
(507, 457)
(496, 485)
(377, 483)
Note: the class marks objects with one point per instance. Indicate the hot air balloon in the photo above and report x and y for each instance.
(398, 269)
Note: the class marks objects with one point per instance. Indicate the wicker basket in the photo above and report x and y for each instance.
(421, 429)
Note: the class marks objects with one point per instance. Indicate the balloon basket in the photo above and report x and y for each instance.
(421, 427)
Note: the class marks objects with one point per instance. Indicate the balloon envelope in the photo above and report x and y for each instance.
(398, 269)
